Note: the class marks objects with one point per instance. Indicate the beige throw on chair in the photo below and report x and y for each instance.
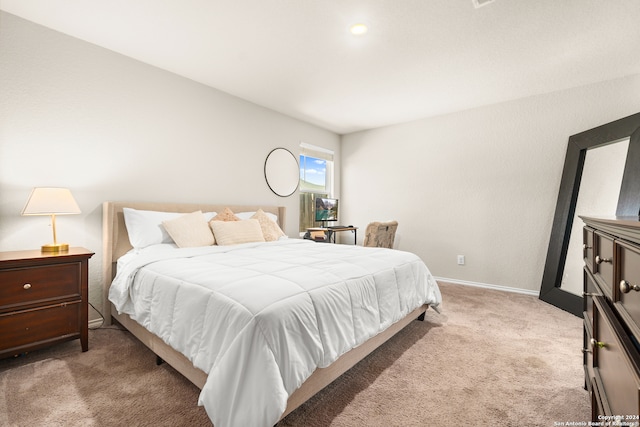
(380, 234)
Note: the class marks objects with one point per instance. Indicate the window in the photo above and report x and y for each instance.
(316, 180)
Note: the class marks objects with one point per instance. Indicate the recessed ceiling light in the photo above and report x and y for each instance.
(358, 29)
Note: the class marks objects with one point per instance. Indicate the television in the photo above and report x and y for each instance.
(326, 209)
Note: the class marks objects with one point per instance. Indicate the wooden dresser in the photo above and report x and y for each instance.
(43, 299)
(612, 317)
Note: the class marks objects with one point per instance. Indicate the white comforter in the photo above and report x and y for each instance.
(259, 318)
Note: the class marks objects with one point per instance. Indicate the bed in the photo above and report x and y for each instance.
(262, 298)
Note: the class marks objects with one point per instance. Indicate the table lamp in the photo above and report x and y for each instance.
(51, 201)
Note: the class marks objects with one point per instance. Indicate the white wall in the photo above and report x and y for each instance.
(111, 128)
(481, 183)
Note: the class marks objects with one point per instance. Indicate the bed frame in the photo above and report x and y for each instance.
(116, 243)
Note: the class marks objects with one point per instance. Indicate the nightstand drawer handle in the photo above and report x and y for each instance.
(601, 260)
(626, 287)
(27, 286)
(595, 342)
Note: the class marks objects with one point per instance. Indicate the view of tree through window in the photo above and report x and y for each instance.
(314, 182)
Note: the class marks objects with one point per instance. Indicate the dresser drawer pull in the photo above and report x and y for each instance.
(27, 286)
(587, 350)
(626, 287)
(585, 247)
(601, 260)
(590, 294)
(595, 342)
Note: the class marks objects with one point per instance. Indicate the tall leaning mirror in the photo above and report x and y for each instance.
(607, 139)
(598, 196)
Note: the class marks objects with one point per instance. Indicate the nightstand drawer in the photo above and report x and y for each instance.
(41, 326)
(30, 285)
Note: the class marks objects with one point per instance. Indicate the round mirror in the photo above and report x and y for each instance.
(282, 172)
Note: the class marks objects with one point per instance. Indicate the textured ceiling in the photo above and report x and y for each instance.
(420, 58)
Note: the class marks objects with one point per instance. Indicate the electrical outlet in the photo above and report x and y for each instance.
(460, 259)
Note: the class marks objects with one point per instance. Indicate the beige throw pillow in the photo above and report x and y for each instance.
(270, 229)
(226, 215)
(189, 230)
(236, 232)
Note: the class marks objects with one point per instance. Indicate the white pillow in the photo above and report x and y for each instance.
(248, 215)
(209, 215)
(145, 227)
(190, 230)
(236, 232)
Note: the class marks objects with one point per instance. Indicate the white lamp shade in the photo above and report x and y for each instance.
(48, 201)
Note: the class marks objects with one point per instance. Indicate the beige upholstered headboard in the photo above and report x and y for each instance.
(115, 240)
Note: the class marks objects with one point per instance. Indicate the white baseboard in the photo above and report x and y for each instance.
(488, 286)
(95, 323)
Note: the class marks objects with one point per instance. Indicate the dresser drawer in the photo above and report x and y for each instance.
(29, 285)
(40, 326)
(626, 295)
(587, 247)
(603, 262)
(591, 289)
(599, 407)
(616, 362)
(588, 354)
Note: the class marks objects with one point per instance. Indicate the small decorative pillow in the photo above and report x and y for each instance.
(190, 230)
(236, 232)
(270, 229)
(225, 215)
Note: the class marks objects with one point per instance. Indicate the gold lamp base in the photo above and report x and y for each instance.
(55, 247)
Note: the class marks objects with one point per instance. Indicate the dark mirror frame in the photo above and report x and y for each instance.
(628, 201)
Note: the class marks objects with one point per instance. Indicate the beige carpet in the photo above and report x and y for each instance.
(490, 359)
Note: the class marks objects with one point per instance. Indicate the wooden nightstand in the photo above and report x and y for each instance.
(43, 299)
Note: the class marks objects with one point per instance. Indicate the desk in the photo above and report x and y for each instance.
(329, 233)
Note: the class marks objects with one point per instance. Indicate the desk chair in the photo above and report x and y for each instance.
(380, 234)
